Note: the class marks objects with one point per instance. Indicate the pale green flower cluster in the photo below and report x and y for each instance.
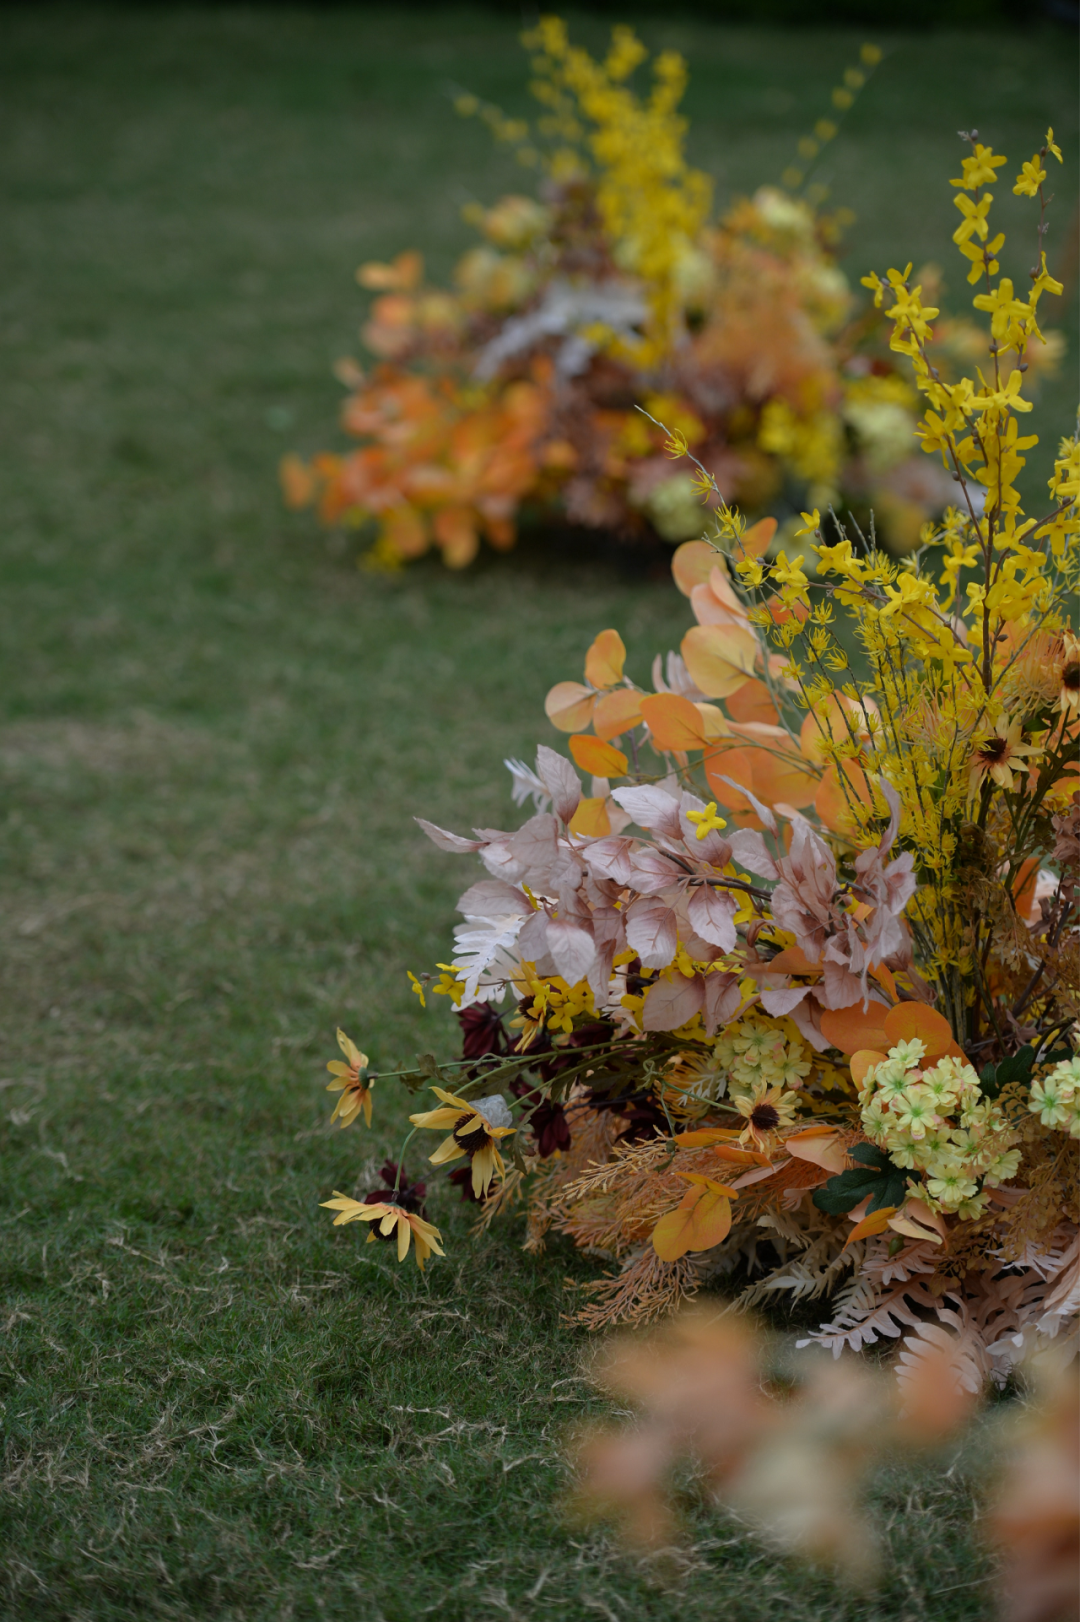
(758, 1055)
(937, 1121)
(1055, 1099)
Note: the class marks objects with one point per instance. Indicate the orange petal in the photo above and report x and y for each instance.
(569, 706)
(850, 1029)
(719, 658)
(673, 722)
(862, 1060)
(872, 1224)
(692, 565)
(616, 712)
(915, 1019)
(752, 702)
(590, 820)
(595, 756)
(605, 659)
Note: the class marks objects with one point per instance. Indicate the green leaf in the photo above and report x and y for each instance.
(875, 1175)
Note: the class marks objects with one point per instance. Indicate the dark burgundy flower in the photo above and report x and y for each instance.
(550, 1128)
(409, 1196)
(462, 1178)
(481, 1031)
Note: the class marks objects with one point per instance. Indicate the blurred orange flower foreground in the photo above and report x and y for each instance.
(613, 289)
(796, 1464)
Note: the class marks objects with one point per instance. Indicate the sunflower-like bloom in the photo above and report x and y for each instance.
(1069, 675)
(475, 1127)
(764, 1110)
(998, 755)
(351, 1081)
(407, 1224)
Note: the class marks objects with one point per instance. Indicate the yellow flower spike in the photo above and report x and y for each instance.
(352, 1081)
(1030, 178)
(707, 821)
(475, 1126)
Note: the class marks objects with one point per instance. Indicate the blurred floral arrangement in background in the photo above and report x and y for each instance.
(786, 994)
(613, 289)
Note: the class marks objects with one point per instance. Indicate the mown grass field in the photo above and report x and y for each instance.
(214, 734)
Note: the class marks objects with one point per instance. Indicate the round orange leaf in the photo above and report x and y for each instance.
(692, 565)
(756, 539)
(836, 798)
(595, 756)
(752, 703)
(673, 722)
(710, 1220)
(733, 763)
(569, 706)
(605, 659)
(852, 1028)
(862, 1060)
(719, 658)
(616, 712)
(915, 1019)
(590, 820)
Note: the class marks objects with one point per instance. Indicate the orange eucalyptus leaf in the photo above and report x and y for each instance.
(595, 756)
(835, 798)
(852, 1028)
(605, 659)
(755, 541)
(719, 658)
(752, 702)
(915, 1019)
(692, 565)
(590, 820)
(673, 722)
(616, 712)
(569, 705)
(862, 1060)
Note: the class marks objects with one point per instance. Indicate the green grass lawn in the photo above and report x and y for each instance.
(214, 734)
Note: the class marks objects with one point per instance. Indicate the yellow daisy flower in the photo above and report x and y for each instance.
(352, 1081)
(998, 755)
(407, 1224)
(764, 1110)
(475, 1126)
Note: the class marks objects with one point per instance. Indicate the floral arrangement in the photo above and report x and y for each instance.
(614, 290)
(786, 994)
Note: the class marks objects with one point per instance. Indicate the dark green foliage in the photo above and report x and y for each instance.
(215, 732)
(874, 1175)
